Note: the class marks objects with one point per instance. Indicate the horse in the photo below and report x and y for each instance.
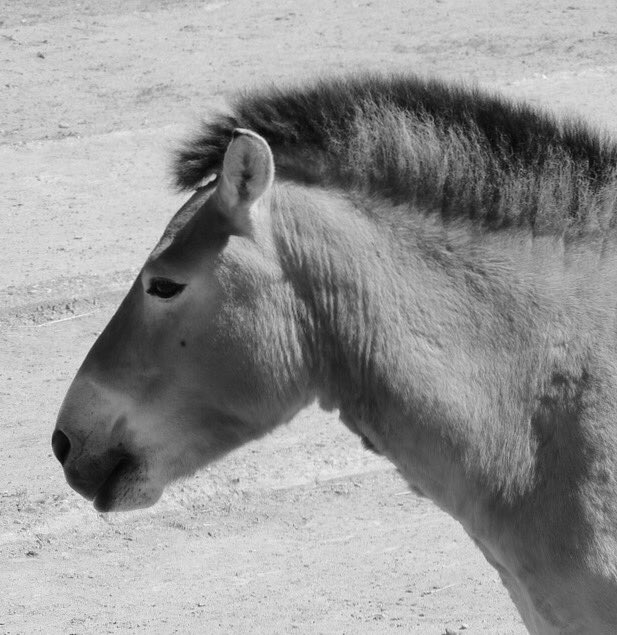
(435, 261)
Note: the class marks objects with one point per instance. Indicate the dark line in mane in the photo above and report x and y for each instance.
(445, 147)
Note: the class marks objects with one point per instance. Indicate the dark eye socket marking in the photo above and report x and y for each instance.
(164, 288)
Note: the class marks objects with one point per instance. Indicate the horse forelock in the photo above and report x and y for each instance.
(446, 147)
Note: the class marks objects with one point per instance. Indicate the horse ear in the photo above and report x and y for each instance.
(248, 172)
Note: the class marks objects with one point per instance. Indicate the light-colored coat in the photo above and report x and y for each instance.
(448, 285)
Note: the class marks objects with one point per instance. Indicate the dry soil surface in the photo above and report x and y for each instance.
(302, 532)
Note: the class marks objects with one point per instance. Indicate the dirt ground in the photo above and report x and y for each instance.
(302, 532)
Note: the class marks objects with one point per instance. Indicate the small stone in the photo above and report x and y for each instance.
(463, 627)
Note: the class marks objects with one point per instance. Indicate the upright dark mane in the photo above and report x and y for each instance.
(448, 148)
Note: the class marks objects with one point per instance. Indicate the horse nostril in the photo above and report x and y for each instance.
(61, 445)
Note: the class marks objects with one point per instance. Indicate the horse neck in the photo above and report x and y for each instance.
(433, 340)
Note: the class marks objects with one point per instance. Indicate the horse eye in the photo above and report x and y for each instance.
(163, 288)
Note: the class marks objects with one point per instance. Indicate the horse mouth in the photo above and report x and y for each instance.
(126, 488)
(107, 493)
(124, 484)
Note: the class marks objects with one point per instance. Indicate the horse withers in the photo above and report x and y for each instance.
(438, 264)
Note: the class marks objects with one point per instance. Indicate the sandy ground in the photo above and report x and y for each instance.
(303, 532)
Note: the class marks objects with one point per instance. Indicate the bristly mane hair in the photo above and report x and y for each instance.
(447, 148)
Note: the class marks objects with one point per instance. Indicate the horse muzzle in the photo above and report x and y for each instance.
(89, 475)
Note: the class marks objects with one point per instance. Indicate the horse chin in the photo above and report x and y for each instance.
(127, 488)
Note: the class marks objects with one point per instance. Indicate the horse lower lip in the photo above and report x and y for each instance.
(103, 497)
